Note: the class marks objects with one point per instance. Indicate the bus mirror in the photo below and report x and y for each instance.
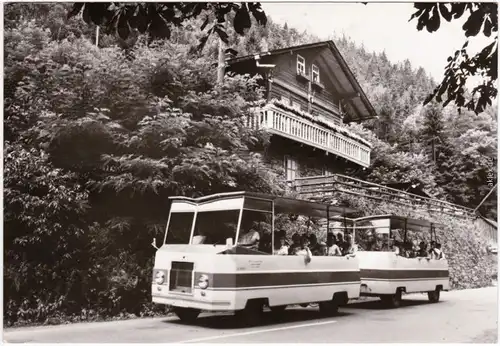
(229, 242)
(154, 244)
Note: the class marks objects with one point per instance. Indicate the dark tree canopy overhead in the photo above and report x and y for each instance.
(157, 19)
(482, 17)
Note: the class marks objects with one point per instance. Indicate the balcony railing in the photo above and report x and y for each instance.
(289, 125)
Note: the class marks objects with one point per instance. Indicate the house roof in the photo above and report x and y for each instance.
(357, 97)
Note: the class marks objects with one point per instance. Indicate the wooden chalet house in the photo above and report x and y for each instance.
(311, 94)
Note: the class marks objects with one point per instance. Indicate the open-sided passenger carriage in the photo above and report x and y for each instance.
(388, 274)
(221, 275)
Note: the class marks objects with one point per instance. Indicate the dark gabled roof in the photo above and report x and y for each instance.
(359, 100)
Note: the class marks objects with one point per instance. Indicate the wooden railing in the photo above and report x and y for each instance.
(311, 187)
(287, 124)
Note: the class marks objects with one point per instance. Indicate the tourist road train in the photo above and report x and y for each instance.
(222, 253)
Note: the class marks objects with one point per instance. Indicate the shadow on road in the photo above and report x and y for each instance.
(378, 305)
(229, 322)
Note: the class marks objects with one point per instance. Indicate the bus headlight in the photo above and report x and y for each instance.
(203, 282)
(160, 277)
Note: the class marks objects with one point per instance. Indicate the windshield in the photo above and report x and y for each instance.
(214, 227)
(179, 228)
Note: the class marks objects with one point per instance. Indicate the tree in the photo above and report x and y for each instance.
(461, 66)
(432, 131)
(157, 19)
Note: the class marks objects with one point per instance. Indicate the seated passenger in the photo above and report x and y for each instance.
(342, 244)
(280, 247)
(303, 250)
(437, 253)
(398, 248)
(316, 248)
(432, 246)
(282, 234)
(422, 250)
(295, 244)
(370, 241)
(250, 239)
(332, 248)
(265, 242)
(351, 247)
(442, 256)
(378, 244)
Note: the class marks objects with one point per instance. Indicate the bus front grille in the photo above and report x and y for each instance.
(181, 277)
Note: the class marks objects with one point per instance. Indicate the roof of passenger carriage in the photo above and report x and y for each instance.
(281, 204)
(397, 221)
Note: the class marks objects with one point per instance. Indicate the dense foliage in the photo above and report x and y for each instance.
(97, 138)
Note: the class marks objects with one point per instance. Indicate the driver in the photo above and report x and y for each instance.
(251, 238)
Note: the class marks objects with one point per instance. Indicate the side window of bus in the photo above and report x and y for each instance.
(255, 230)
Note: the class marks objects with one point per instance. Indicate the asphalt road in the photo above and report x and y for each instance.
(460, 317)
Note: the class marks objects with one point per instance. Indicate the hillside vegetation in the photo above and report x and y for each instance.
(97, 138)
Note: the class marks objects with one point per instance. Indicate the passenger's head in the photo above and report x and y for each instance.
(330, 239)
(348, 239)
(433, 244)
(422, 245)
(296, 238)
(312, 239)
(369, 235)
(380, 236)
(304, 241)
(438, 246)
(340, 237)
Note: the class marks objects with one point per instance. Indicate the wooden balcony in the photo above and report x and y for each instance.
(286, 124)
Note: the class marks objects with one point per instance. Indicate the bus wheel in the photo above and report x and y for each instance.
(187, 314)
(251, 315)
(305, 305)
(328, 308)
(434, 295)
(392, 300)
(277, 311)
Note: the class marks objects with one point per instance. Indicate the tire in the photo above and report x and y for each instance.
(251, 315)
(434, 295)
(329, 308)
(305, 305)
(277, 311)
(392, 301)
(187, 314)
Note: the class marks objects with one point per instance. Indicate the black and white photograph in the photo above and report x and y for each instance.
(250, 172)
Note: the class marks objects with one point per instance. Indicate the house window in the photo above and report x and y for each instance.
(296, 105)
(285, 100)
(291, 168)
(301, 65)
(315, 73)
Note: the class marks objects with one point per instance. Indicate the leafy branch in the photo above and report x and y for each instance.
(461, 66)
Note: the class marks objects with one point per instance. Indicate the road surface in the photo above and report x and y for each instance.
(460, 317)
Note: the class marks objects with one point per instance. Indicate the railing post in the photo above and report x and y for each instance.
(269, 119)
